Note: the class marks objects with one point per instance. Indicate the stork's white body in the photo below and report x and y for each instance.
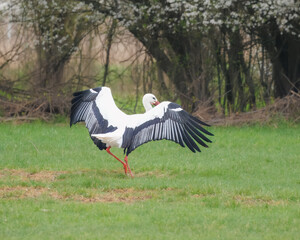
(119, 119)
(110, 127)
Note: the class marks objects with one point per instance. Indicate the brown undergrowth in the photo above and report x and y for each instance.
(43, 104)
(46, 106)
(287, 108)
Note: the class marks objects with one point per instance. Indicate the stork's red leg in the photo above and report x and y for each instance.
(126, 160)
(124, 164)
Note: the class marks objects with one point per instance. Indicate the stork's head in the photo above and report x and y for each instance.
(149, 100)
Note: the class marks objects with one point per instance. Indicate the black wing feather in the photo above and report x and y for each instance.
(187, 140)
(195, 124)
(180, 139)
(194, 136)
(196, 130)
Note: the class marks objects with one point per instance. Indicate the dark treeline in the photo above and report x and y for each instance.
(236, 55)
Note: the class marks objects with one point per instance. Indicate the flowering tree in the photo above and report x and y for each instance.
(202, 45)
(58, 26)
(188, 37)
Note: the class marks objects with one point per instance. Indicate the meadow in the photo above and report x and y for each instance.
(55, 184)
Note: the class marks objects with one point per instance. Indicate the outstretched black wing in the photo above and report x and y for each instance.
(84, 108)
(167, 121)
(82, 104)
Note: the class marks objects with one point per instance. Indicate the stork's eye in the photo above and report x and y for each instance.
(153, 98)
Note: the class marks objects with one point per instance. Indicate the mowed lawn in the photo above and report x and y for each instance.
(55, 184)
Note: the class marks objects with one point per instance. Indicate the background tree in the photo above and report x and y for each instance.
(59, 27)
(236, 54)
(178, 35)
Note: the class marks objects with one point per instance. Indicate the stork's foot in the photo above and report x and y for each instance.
(126, 160)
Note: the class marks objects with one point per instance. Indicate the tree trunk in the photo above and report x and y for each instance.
(286, 67)
(109, 39)
(284, 51)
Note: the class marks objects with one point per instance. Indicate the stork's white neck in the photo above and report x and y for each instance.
(147, 105)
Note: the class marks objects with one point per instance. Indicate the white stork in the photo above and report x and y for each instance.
(110, 127)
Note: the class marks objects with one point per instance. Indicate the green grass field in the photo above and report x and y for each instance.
(55, 184)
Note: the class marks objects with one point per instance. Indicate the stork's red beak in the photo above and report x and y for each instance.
(156, 103)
